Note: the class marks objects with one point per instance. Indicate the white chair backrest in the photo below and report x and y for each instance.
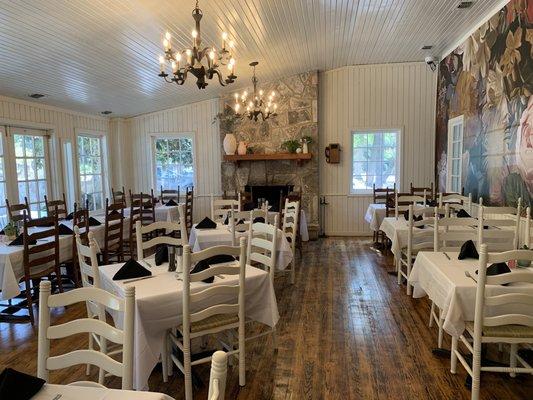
(516, 297)
(401, 203)
(47, 301)
(235, 225)
(419, 234)
(162, 226)
(291, 214)
(449, 233)
(196, 300)
(263, 245)
(456, 201)
(500, 232)
(221, 207)
(217, 377)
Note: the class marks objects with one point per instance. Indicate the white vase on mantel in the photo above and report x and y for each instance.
(229, 144)
(305, 149)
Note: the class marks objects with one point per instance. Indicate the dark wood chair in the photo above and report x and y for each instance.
(18, 212)
(170, 194)
(189, 200)
(56, 207)
(113, 233)
(419, 191)
(380, 196)
(119, 196)
(137, 203)
(80, 218)
(148, 202)
(41, 259)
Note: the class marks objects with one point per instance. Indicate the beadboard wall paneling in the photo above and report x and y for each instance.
(196, 118)
(372, 97)
(62, 124)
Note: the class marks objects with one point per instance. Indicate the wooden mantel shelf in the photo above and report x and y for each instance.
(299, 158)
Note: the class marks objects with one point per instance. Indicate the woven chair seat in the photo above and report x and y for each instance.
(507, 331)
(213, 322)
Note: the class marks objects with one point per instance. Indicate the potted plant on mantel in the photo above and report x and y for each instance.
(306, 141)
(291, 145)
(227, 120)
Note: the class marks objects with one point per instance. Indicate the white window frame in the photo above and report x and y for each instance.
(3, 164)
(187, 135)
(104, 154)
(10, 155)
(457, 121)
(399, 143)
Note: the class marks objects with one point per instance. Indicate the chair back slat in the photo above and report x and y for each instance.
(221, 207)
(119, 196)
(56, 207)
(169, 194)
(113, 231)
(86, 325)
(18, 212)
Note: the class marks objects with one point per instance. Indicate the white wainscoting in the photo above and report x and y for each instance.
(196, 118)
(61, 124)
(374, 96)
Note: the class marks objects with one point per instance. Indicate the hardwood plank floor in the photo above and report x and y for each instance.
(347, 331)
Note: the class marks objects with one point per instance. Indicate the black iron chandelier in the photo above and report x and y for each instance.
(189, 61)
(255, 106)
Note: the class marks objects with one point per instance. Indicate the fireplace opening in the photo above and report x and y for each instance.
(274, 194)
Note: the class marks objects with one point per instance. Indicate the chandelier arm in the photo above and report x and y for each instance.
(220, 80)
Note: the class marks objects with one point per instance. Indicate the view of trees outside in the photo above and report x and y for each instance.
(91, 171)
(174, 164)
(374, 160)
(31, 171)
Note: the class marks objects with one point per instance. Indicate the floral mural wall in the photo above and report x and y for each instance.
(489, 80)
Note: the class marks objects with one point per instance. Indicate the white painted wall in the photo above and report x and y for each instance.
(196, 118)
(60, 123)
(374, 96)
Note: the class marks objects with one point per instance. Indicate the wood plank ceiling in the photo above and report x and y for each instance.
(100, 55)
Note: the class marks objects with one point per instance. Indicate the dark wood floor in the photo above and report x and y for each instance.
(347, 331)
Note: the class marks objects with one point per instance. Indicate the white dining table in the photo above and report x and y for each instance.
(159, 307)
(374, 215)
(201, 239)
(444, 281)
(396, 230)
(162, 212)
(51, 391)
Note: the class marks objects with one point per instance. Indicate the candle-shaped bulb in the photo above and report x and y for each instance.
(212, 55)
(166, 44)
(224, 36)
(162, 63)
(236, 95)
(251, 104)
(167, 35)
(194, 33)
(275, 107)
(245, 93)
(261, 92)
(174, 67)
(237, 107)
(177, 57)
(273, 94)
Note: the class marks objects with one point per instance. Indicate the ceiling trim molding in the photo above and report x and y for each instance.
(395, 64)
(52, 108)
(484, 18)
(154, 113)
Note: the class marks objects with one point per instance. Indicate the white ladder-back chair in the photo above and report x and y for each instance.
(456, 201)
(217, 377)
(221, 207)
(291, 214)
(161, 226)
(419, 237)
(449, 234)
(200, 320)
(234, 218)
(500, 327)
(88, 262)
(402, 202)
(526, 234)
(46, 363)
(503, 230)
(263, 245)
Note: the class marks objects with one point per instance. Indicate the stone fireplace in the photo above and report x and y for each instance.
(297, 117)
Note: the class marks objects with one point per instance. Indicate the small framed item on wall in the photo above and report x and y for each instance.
(333, 153)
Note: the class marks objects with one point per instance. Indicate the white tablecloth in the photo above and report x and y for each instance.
(162, 213)
(445, 283)
(396, 231)
(11, 257)
(159, 307)
(48, 392)
(374, 215)
(201, 239)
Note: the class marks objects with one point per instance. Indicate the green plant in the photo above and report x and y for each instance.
(290, 145)
(11, 229)
(307, 139)
(227, 120)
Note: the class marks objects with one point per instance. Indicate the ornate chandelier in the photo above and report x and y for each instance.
(190, 60)
(256, 106)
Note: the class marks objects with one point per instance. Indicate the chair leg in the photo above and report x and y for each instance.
(164, 358)
(431, 314)
(293, 270)
(441, 330)
(59, 280)
(409, 288)
(453, 362)
(29, 301)
(399, 271)
(103, 349)
(187, 369)
(274, 339)
(242, 358)
(91, 347)
(476, 370)
(512, 361)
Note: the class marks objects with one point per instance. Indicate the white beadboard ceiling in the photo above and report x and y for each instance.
(100, 55)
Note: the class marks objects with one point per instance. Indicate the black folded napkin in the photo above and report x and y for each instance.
(206, 223)
(65, 230)
(15, 385)
(70, 216)
(248, 207)
(114, 212)
(94, 222)
(204, 264)
(431, 203)
(259, 219)
(415, 217)
(131, 269)
(161, 254)
(241, 222)
(226, 220)
(463, 214)
(19, 241)
(170, 203)
(468, 250)
(497, 269)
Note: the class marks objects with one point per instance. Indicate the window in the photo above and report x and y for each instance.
(173, 161)
(455, 155)
(31, 149)
(375, 160)
(91, 166)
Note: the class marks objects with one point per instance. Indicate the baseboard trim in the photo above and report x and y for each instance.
(357, 234)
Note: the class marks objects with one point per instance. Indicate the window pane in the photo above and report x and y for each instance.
(22, 191)
(28, 146)
(30, 168)
(90, 166)
(39, 146)
(19, 145)
(174, 164)
(21, 169)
